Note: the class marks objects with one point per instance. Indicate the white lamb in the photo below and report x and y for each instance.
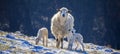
(61, 23)
(42, 34)
(75, 37)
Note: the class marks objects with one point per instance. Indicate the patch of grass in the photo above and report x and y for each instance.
(4, 47)
(6, 40)
(96, 52)
(3, 33)
(87, 46)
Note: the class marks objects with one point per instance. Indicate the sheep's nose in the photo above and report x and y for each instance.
(63, 15)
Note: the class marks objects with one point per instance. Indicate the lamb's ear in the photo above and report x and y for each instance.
(69, 11)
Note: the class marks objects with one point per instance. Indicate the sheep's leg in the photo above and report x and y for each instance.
(58, 42)
(61, 43)
(68, 39)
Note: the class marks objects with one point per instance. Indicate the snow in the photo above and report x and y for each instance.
(15, 43)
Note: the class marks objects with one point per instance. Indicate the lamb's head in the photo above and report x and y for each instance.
(64, 12)
(73, 31)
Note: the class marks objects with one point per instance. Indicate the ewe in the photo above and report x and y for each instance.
(42, 33)
(61, 23)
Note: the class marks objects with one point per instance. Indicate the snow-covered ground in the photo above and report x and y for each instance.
(17, 43)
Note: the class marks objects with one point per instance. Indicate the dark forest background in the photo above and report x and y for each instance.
(97, 20)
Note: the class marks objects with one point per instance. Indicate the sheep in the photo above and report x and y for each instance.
(42, 33)
(75, 37)
(61, 23)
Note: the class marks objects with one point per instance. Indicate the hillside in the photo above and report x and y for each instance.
(17, 43)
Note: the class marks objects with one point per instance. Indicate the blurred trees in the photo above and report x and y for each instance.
(97, 20)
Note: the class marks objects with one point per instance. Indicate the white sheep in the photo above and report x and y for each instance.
(42, 35)
(61, 23)
(75, 37)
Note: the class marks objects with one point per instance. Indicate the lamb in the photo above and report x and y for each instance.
(42, 34)
(75, 37)
(61, 23)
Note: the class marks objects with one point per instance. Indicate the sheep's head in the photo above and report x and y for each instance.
(64, 12)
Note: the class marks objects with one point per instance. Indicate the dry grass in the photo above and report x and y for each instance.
(4, 47)
(3, 33)
(31, 40)
(95, 52)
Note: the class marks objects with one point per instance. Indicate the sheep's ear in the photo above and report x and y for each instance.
(69, 11)
(58, 9)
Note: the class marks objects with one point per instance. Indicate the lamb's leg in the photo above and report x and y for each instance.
(37, 41)
(70, 44)
(82, 47)
(77, 44)
(46, 41)
(61, 43)
(43, 41)
(81, 42)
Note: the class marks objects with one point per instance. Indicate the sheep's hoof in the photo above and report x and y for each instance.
(57, 46)
(61, 47)
(46, 45)
(69, 49)
(36, 43)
